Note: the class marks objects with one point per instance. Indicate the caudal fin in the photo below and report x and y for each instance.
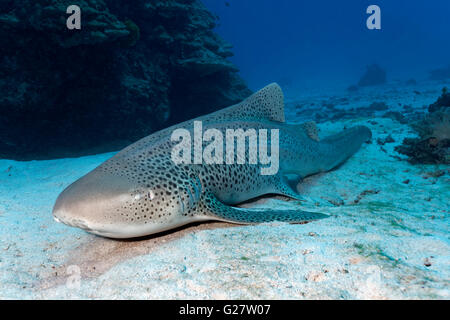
(339, 147)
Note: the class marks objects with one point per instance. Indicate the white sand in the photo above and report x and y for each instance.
(392, 242)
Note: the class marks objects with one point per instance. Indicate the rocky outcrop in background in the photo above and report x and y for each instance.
(374, 76)
(432, 146)
(440, 73)
(133, 68)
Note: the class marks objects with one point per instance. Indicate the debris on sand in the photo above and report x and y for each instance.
(383, 141)
(434, 174)
(395, 115)
(379, 106)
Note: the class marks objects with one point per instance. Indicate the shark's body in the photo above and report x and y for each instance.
(141, 191)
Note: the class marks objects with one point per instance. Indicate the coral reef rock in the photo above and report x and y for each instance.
(133, 68)
(433, 144)
(443, 102)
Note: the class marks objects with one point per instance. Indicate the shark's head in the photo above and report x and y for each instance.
(140, 191)
(117, 202)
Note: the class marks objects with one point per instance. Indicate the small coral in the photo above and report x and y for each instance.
(442, 102)
(433, 144)
(428, 151)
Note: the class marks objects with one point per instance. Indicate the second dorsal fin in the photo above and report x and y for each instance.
(309, 128)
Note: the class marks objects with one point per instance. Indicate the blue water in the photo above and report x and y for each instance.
(315, 43)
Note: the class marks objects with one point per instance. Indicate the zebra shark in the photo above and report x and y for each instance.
(141, 191)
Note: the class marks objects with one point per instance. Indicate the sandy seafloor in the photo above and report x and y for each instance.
(387, 236)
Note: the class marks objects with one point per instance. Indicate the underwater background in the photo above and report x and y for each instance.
(70, 99)
(310, 44)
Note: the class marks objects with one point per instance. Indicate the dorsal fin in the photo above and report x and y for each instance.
(265, 104)
(309, 128)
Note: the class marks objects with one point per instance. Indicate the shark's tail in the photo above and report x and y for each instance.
(339, 147)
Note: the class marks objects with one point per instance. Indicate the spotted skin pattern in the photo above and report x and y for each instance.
(141, 191)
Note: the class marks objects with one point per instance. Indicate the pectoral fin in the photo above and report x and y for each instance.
(215, 209)
(287, 186)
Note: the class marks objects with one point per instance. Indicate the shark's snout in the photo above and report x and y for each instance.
(64, 217)
(91, 203)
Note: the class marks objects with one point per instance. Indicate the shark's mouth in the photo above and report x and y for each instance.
(77, 223)
(73, 223)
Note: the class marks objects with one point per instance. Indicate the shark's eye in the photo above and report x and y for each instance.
(143, 195)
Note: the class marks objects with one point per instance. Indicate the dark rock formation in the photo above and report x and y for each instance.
(379, 106)
(352, 88)
(425, 151)
(440, 74)
(383, 141)
(373, 76)
(395, 115)
(443, 102)
(433, 144)
(133, 68)
(411, 82)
